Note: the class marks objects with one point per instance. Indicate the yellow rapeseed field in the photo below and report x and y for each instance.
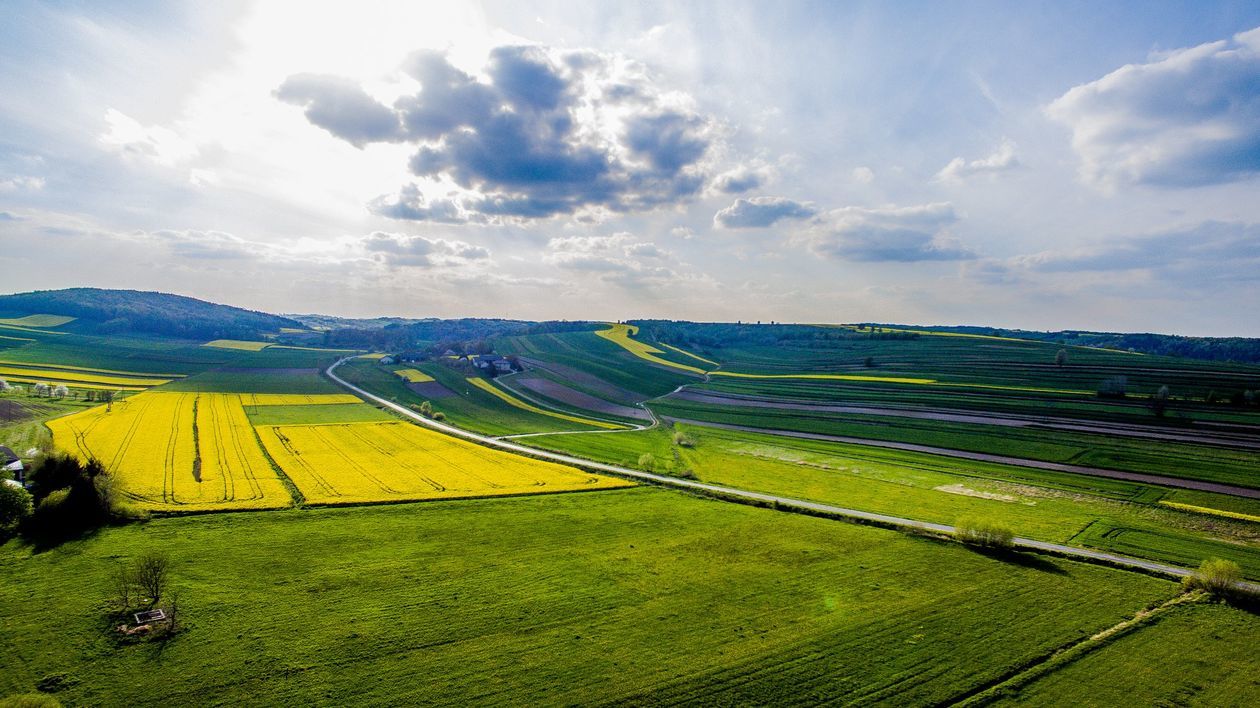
(297, 399)
(527, 406)
(80, 376)
(394, 461)
(619, 334)
(89, 370)
(148, 442)
(240, 344)
(413, 375)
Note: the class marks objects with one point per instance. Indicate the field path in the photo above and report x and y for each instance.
(1157, 479)
(757, 498)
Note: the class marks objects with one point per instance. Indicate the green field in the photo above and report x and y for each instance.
(1050, 506)
(639, 596)
(1203, 655)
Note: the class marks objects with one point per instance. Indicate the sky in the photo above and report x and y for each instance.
(1065, 165)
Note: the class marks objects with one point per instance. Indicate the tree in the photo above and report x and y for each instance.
(1061, 358)
(870, 362)
(1214, 576)
(1159, 402)
(151, 572)
(982, 532)
(123, 582)
(15, 505)
(60, 391)
(647, 461)
(682, 439)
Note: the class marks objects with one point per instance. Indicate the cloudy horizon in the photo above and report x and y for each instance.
(1034, 166)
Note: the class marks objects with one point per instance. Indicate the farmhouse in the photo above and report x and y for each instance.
(10, 462)
(493, 362)
(387, 360)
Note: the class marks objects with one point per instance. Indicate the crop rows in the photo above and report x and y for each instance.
(392, 461)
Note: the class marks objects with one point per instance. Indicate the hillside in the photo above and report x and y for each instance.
(132, 311)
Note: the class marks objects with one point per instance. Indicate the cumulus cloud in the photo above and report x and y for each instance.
(903, 234)
(419, 251)
(1186, 117)
(546, 132)
(1000, 161)
(760, 212)
(616, 259)
(1217, 249)
(341, 107)
(743, 179)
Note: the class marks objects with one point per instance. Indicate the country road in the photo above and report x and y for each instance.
(1161, 480)
(777, 502)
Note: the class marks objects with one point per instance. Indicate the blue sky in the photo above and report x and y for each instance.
(1057, 165)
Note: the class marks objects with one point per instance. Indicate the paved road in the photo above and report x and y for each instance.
(744, 496)
(1233, 438)
(1157, 479)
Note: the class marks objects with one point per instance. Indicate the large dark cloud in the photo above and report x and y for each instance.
(342, 108)
(547, 133)
(1187, 117)
(900, 234)
(761, 212)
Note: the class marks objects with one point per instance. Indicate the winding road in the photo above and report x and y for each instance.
(757, 498)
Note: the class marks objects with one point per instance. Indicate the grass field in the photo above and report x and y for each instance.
(1175, 459)
(240, 344)
(466, 405)
(37, 321)
(177, 452)
(1051, 506)
(638, 596)
(1201, 655)
(297, 399)
(393, 461)
(515, 402)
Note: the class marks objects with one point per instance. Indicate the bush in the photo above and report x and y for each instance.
(15, 505)
(682, 439)
(647, 461)
(439, 416)
(982, 532)
(1214, 576)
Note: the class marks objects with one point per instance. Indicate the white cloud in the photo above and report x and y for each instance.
(901, 234)
(863, 175)
(762, 212)
(1002, 160)
(21, 183)
(1186, 117)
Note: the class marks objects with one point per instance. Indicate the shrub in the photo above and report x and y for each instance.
(647, 461)
(682, 439)
(15, 505)
(439, 415)
(983, 532)
(1214, 576)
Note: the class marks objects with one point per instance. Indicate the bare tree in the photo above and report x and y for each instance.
(124, 584)
(151, 573)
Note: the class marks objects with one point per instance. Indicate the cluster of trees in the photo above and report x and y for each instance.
(116, 311)
(426, 409)
(64, 497)
(984, 533)
(467, 335)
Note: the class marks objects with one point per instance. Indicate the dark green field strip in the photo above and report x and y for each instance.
(236, 379)
(1145, 457)
(1179, 414)
(1201, 655)
(468, 407)
(315, 414)
(639, 596)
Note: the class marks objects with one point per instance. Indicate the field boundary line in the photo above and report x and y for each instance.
(778, 503)
(1040, 667)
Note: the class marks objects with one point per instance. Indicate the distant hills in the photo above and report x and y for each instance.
(103, 311)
